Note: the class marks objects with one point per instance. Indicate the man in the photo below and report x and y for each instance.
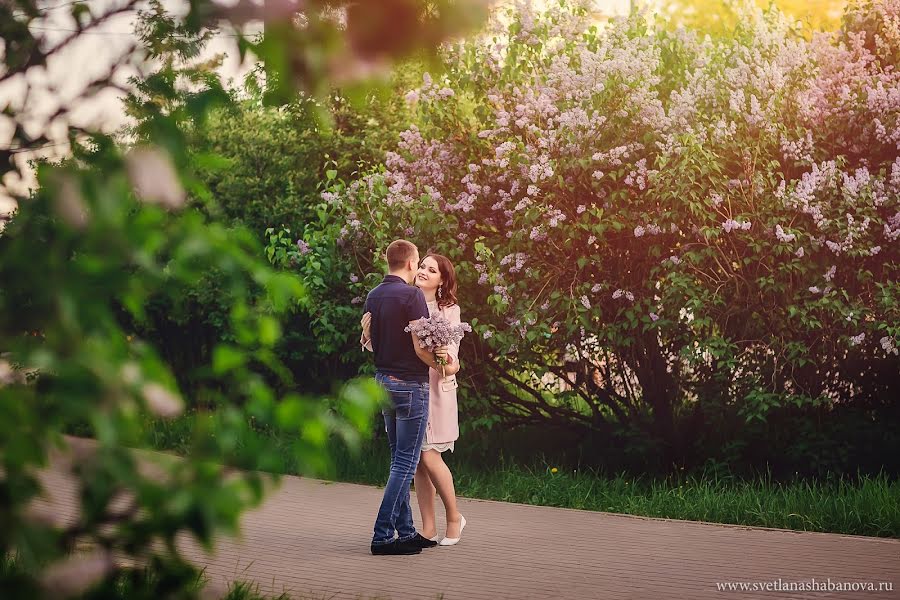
(401, 366)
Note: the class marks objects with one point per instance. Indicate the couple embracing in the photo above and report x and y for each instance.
(421, 421)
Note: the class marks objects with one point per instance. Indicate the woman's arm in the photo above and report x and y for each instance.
(452, 368)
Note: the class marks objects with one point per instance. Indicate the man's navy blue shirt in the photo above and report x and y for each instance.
(393, 304)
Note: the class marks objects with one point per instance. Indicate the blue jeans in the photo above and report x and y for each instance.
(405, 423)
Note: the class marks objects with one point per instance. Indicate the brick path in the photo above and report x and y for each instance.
(311, 539)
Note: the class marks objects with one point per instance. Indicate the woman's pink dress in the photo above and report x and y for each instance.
(443, 416)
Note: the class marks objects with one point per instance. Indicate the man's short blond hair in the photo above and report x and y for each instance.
(399, 253)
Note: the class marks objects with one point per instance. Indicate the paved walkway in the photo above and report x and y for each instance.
(311, 539)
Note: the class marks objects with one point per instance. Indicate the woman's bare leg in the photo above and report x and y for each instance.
(442, 480)
(425, 496)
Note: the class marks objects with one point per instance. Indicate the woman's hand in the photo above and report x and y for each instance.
(443, 354)
(366, 324)
(450, 366)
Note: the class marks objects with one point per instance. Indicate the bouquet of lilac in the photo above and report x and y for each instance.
(436, 331)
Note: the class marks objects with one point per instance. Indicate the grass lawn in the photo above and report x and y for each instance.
(851, 505)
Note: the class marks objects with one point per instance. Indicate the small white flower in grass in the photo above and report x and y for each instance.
(154, 177)
(161, 401)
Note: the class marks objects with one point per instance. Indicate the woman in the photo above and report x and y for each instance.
(437, 280)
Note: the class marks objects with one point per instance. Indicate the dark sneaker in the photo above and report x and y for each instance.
(396, 548)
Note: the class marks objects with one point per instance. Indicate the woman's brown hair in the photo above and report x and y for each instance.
(446, 293)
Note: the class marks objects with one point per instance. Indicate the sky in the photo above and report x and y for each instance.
(91, 56)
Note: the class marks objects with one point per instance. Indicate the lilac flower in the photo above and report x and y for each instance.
(654, 317)
(857, 339)
(436, 331)
(581, 208)
(638, 231)
(357, 300)
(488, 334)
(585, 302)
(353, 278)
(782, 236)
(596, 288)
(730, 225)
(303, 247)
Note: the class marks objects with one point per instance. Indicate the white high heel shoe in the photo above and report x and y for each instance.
(436, 538)
(453, 541)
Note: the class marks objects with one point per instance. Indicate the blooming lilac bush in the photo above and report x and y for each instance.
(648, 223)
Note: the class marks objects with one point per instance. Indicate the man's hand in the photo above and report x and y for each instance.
(366, 324)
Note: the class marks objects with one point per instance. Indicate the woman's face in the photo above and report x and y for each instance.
(429, 276)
